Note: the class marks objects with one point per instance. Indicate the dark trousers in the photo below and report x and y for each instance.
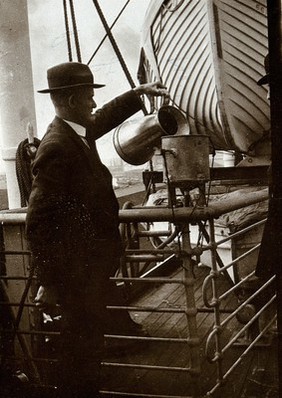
(84, 322)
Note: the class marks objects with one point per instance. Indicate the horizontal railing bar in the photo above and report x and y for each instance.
(147, 309)
(109, 336)
(239, 258)
(147, 280)
(247, 325)
(241, 232)
(141, 395)
(232, 201)
(240, 359)
(11, 304)
(154, 251)
(230, 343)
(235, 287)
(166, 310)
(248, 300)
(33, 359)
(153, 233)
(188, 341)
(13, 217)
(31, 332)
(148, 367)
(142, 257)
(209, 246)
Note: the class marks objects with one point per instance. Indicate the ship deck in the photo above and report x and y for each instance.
(146, 369)
(256, 376)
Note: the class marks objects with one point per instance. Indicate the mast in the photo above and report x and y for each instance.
(17, 107)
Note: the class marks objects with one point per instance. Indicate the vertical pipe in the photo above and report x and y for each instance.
(215, 295)
(17, 107)
(191, 310)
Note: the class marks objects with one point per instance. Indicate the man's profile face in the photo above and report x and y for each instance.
(84, 103)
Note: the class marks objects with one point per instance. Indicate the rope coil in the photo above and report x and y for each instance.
(24, 158)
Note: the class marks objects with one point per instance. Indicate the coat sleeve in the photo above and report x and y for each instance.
(114, 113)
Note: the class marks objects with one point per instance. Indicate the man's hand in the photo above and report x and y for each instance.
(46, 297)
(155, 89)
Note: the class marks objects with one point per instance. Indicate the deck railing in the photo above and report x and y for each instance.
(216, 348)
(24, 332)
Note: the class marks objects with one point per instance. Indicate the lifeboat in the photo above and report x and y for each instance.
(210, 54)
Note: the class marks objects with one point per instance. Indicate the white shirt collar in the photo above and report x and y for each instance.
(80, 130)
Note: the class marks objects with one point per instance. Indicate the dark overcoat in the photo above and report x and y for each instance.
(72, 208)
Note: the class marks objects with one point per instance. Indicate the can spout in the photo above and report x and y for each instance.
(173, 121)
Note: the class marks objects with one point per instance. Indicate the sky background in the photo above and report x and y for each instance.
(49, 47)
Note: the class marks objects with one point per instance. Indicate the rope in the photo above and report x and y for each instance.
(24, 157)
(75, 31)
(67, 30)
(104, 38)
(116, 49)
(114, 44)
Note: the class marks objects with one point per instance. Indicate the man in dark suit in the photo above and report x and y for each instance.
(72, 220)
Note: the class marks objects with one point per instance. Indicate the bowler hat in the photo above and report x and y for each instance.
(68, 75)
(265, 78)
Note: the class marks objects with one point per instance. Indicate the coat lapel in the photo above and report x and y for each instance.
(89, 152)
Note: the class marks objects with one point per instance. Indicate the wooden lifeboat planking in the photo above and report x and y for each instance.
(210, 55)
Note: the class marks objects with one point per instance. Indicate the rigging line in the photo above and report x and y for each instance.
(111, 27)
(116, 49)
(67, 30)
(75, 31)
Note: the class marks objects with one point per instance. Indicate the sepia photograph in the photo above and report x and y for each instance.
(140, 198)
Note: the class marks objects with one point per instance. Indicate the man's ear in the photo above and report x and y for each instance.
(72, 101)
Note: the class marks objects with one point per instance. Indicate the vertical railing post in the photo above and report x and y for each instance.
(191, 310)
(216, 303)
